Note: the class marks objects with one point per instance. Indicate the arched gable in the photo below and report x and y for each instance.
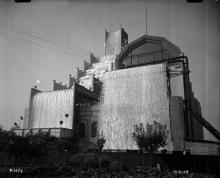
(146, 50)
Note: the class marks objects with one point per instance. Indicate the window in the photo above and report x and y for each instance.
(93, 129)
(82, 129)
(142, 54)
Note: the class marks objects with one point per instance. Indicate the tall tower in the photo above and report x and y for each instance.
(115, 41)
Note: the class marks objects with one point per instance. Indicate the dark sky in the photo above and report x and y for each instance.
(47, 39)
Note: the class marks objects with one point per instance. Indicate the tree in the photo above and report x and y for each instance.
(100, 142)
(150, 138)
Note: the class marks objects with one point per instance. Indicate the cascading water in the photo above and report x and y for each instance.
(132, 96)
(48, 108)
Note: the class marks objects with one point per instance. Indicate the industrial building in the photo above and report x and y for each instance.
(145, 80)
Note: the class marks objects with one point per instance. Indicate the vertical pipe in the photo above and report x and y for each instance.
(168, 79)
(189, 95)
(187, 98)
(105, 41)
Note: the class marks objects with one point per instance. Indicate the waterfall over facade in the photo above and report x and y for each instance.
(132, 96)
(146, 81)
(48, 108)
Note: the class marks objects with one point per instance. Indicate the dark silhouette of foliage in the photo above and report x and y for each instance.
(67, 146)
(100, 142)
(35, 147)
(12, 144)
(41, 144)
(70, 145)
(3, 139)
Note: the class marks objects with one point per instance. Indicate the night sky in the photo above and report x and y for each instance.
(47, 39)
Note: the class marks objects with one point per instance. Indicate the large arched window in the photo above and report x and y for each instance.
(144, 51)
(82, 129)
(142, 55)
(93, 129)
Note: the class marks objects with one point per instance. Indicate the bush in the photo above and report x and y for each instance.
(151, 137)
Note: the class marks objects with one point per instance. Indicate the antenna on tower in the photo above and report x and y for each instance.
(105, 40)
(146, 20)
